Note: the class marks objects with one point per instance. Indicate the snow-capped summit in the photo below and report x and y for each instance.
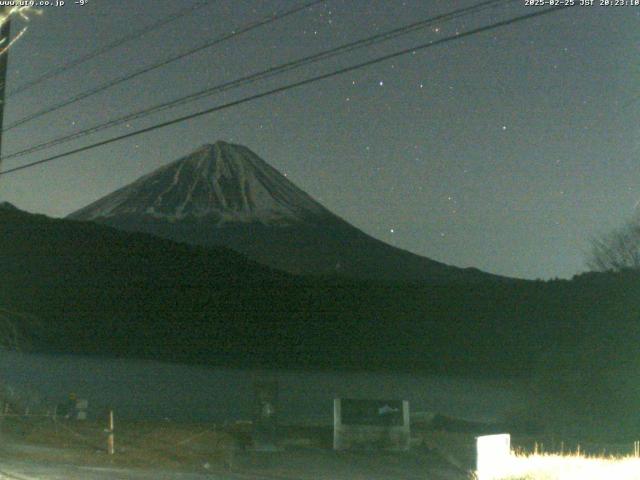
(223, 182)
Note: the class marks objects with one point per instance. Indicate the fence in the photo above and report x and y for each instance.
(108, 441)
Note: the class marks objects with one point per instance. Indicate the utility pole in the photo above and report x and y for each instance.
(5, 39)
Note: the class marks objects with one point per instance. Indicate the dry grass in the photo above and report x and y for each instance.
(459, 449)
(566, 467)
(157, 445)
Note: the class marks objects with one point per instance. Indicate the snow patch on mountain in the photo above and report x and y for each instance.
(226, 182)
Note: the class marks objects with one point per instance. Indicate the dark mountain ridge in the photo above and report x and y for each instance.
(97, 290)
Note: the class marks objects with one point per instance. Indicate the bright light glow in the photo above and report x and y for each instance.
(493, 456)
(21, 12)
(496, 461)
(569, 467)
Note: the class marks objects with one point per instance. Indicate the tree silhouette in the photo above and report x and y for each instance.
(618, 250)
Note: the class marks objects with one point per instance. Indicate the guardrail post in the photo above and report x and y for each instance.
(110, 438)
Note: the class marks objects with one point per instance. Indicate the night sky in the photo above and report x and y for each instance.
(505, 151)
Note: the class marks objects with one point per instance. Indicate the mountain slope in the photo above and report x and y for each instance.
(225, 195)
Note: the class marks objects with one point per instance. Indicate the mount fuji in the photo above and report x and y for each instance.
(225, 195)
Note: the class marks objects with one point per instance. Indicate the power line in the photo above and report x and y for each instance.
(268, 73)
(155, 66)
(115, 44)
(290, 86)
(261, 75)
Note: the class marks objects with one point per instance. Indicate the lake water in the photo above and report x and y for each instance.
(156, 390)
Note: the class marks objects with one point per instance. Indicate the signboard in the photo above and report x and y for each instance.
(82, 405)
(372, 412)
(368, 424)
